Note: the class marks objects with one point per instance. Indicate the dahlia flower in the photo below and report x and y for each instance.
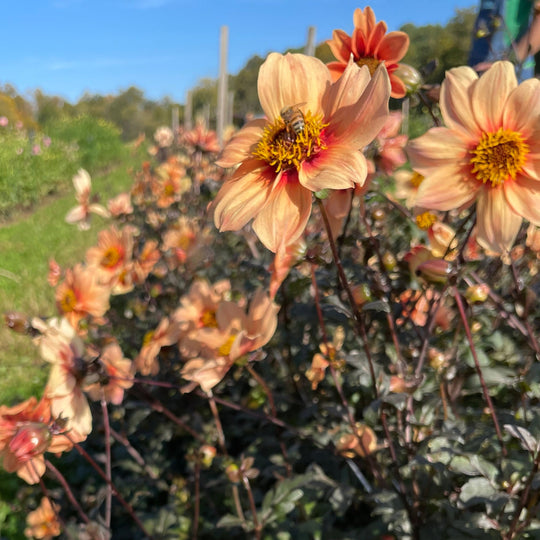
(370, 46)
(281, 163)
(489, 153)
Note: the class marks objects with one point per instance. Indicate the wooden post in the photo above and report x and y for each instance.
(310, 45)
(175, 119)
(188, 112)
(222, 83)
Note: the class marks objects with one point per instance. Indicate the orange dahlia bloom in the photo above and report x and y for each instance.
(112, 256)
(234, 334)
(309, 142)
(370, 46)
(81, 295)
(43, 521)
(489, 153)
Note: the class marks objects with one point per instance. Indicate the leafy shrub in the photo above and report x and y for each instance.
(97, 142)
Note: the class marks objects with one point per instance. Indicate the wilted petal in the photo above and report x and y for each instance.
(82, 182)
(77, 214)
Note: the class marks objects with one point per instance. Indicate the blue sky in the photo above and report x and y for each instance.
(164, 47)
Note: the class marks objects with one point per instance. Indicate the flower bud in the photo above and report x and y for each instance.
(16, 321)
(477, 293)
(434, 270)
(410, 76)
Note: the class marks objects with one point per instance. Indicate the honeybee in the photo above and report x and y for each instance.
(294, 121)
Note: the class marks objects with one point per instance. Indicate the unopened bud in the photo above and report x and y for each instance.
(410, 76)
(477, 293)
(16, 322)
(434, 270)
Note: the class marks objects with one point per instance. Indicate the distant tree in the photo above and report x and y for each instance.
(50, 108)
(204, 101)
(244, 86)
(443, 47)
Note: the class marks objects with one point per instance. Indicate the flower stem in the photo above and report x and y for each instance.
(485, 392)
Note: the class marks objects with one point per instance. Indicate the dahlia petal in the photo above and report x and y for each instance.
(336, 69)
(523, 196)
(239, 147)
(517, 111)
(438, 147)
(335, 168)
(455, 99)
(78, 213)
(82, 182)
(489, 95)
(497, 224)
(242, 196)
(284, 217)
(374, 39)
(393, 46)
(364, 20)
(398, 88)
(345, 91)
(291, 79)
(446, 188)
(340, 45)
(358, 124)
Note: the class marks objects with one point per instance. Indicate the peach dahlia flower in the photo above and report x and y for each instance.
(280, 167)
(489, 153)
(370, 46)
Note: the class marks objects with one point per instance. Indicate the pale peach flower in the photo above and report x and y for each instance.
(81, 213)
(489, 153)
(280, 166)
(165, 334)
(170, 182)
(65, 351)
(235, 334)
(145, 261)
(120, 205)
(198, 307)
(370, 46)
(112, 255)
(42, 523)
(417, 305)
(81, 295)
(184, 239)
(407, 184)
(362, 443)
(201, 139)
(116, 375)
(164, 136)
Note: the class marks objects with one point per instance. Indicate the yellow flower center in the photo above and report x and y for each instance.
(147, 339)
(370, 62)
(425, 220)
(208, 319)
(285, 145)
(68, 301)
(416, 179)
(499, 156)
(110, 258)
(225, 349)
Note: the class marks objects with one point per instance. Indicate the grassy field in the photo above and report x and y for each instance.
(26, 245)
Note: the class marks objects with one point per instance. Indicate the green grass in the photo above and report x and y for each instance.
(26, 245)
